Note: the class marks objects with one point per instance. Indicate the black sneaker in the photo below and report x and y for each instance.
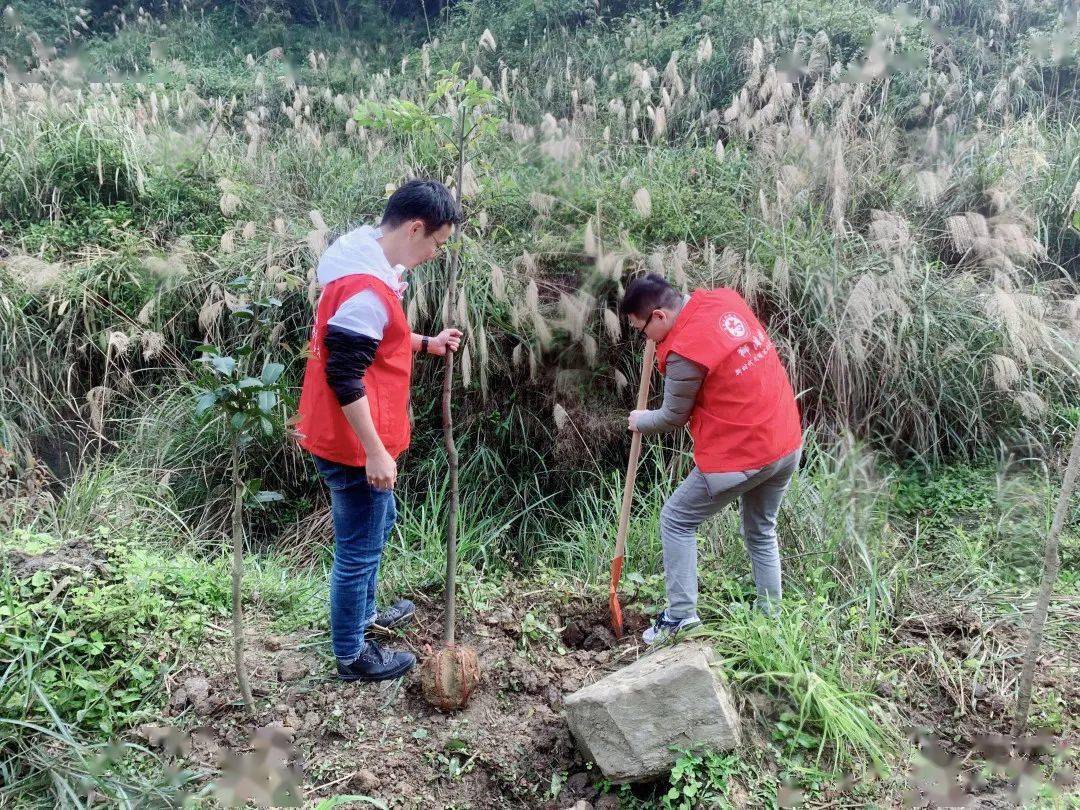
(397, 615)
(377, 664)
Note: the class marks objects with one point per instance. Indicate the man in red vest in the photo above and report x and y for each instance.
(354, 407)
(722, 375)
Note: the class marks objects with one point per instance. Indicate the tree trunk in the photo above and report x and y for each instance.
(1051, 562)
(450, 602)
(237, 578)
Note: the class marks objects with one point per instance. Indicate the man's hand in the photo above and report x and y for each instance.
(381, 471)
(446, 339)
(631, 421)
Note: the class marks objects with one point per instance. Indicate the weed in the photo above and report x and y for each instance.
(801, 655)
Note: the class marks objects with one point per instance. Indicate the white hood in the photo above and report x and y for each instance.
(358, 253)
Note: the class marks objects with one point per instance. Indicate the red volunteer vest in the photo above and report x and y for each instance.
(322, 425)
(745, 414)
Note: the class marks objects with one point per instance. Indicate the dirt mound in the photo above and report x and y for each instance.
(76, 555)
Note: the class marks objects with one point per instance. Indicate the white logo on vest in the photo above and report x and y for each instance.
(734, 325)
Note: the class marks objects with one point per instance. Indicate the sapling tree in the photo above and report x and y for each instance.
(457, 114)
(241, 390)
(1051, 566)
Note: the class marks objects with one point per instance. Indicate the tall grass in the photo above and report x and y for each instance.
(847, 234)
(801, 657)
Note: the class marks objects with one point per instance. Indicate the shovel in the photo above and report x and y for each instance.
(628, 493)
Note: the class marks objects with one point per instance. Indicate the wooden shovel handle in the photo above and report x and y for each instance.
(635, 450)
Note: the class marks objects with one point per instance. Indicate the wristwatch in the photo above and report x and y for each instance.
(424, 344)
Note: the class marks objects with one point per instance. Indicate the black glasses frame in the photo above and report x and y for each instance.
(644, 326)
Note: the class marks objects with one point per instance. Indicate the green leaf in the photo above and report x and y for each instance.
(250, 382)
(267, 426)
(267, 401)
(239, 420)
(206, 401)
(272, 372)
(207, 348)
(223, 364)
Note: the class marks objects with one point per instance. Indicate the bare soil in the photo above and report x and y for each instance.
(508, 748)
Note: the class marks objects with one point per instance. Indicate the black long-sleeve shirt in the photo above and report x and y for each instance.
(348, 356)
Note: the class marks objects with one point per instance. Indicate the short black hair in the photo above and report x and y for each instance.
(646, 293)
(427, 200)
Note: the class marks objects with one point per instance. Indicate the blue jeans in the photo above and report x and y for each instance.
(363, 518)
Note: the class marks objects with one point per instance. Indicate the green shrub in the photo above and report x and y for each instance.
(105, 638)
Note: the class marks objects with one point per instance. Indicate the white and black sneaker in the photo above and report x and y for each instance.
(664, 628)
(377, 664)
(397, 615)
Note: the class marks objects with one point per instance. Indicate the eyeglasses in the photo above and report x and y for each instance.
(644, 326)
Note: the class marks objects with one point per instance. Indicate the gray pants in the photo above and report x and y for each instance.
(700, 497)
